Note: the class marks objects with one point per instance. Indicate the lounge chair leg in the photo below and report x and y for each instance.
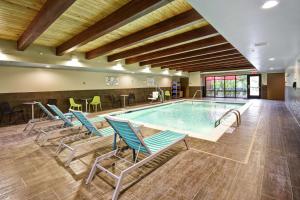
(133, 155)
(92, 173)
(187, 146)
(118, 188)
(70, 158)
(30, 129)
(58, 148)
(115, 142)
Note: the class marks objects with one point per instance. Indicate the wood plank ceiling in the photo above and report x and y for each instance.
(158, 33)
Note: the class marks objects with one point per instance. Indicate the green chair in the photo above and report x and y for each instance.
(167, 94)
(74, 105)
(95, 102)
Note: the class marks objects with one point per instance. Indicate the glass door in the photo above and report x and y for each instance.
(254, 82)
(230, 86)
(219, 86)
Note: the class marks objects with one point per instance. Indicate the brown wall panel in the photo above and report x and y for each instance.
(193, 89)
(14, 99)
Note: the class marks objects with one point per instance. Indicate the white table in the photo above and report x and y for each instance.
(124, 99)
(32, 108)
(86, 103)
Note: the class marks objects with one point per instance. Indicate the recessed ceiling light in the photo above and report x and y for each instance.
(271, 68)
(271, 59)
(47, 66)
(270, 4)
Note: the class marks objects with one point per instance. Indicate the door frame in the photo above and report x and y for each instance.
(248, 86)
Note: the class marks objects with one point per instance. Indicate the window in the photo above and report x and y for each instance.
(210, 86)
(229, 86)
(241, 86)
(219, 86)
(226, 86)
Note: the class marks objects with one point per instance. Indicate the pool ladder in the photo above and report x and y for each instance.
(235, 112)
(194, 96)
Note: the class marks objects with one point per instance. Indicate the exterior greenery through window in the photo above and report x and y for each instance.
(226, 86)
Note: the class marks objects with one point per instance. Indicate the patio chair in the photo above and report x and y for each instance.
(154, 97)
(95, 102)
(93, 134)
(7, 110)
(131, 98)
(167, 94)
(74, 105)
(151, 146)
(115, 101)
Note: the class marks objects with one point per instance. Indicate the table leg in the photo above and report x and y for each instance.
(32, 111)
(86, 105)
(124, 101)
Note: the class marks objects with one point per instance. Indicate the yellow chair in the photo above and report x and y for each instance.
(95, 102)
(167, 94)
(74, 105)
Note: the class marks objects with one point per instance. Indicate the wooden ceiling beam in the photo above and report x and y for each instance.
(205, 57)
(178, 49)
(221, 69)
(172, 23)
(232, 59)
(170, 41)
(124, 15)
(215, 65)
(190, 54)
(49, 12)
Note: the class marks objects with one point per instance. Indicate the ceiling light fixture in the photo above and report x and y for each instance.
(270, 4)
(47, 66)
(146, 69)
(74, 58)
(271, 68)
(166, 72)
(271, 59)
(118, 67)
(179, 73)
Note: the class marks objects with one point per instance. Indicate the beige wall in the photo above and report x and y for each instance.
(195, 79)
(17, 79)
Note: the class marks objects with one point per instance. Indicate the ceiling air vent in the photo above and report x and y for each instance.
(260, 44)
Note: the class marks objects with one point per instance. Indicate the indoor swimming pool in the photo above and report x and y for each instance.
(196, 118)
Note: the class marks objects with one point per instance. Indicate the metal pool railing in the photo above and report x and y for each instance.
(235, 112)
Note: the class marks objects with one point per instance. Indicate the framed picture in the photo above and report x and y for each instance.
(112, 81)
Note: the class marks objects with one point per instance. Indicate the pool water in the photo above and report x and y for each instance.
(186, 116)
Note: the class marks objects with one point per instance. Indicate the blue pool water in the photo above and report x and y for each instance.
(196, 117)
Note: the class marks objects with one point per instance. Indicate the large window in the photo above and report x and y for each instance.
(219, 86)
(241, 86)
(229, 86)
(210, 86)
(226, 86)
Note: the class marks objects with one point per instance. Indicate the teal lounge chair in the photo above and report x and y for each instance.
(93, 133)
(46, 118)
(74, 126)
(151, 146)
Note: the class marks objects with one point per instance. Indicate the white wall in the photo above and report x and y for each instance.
(195, 79)
(292, 74)
(17, 79)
